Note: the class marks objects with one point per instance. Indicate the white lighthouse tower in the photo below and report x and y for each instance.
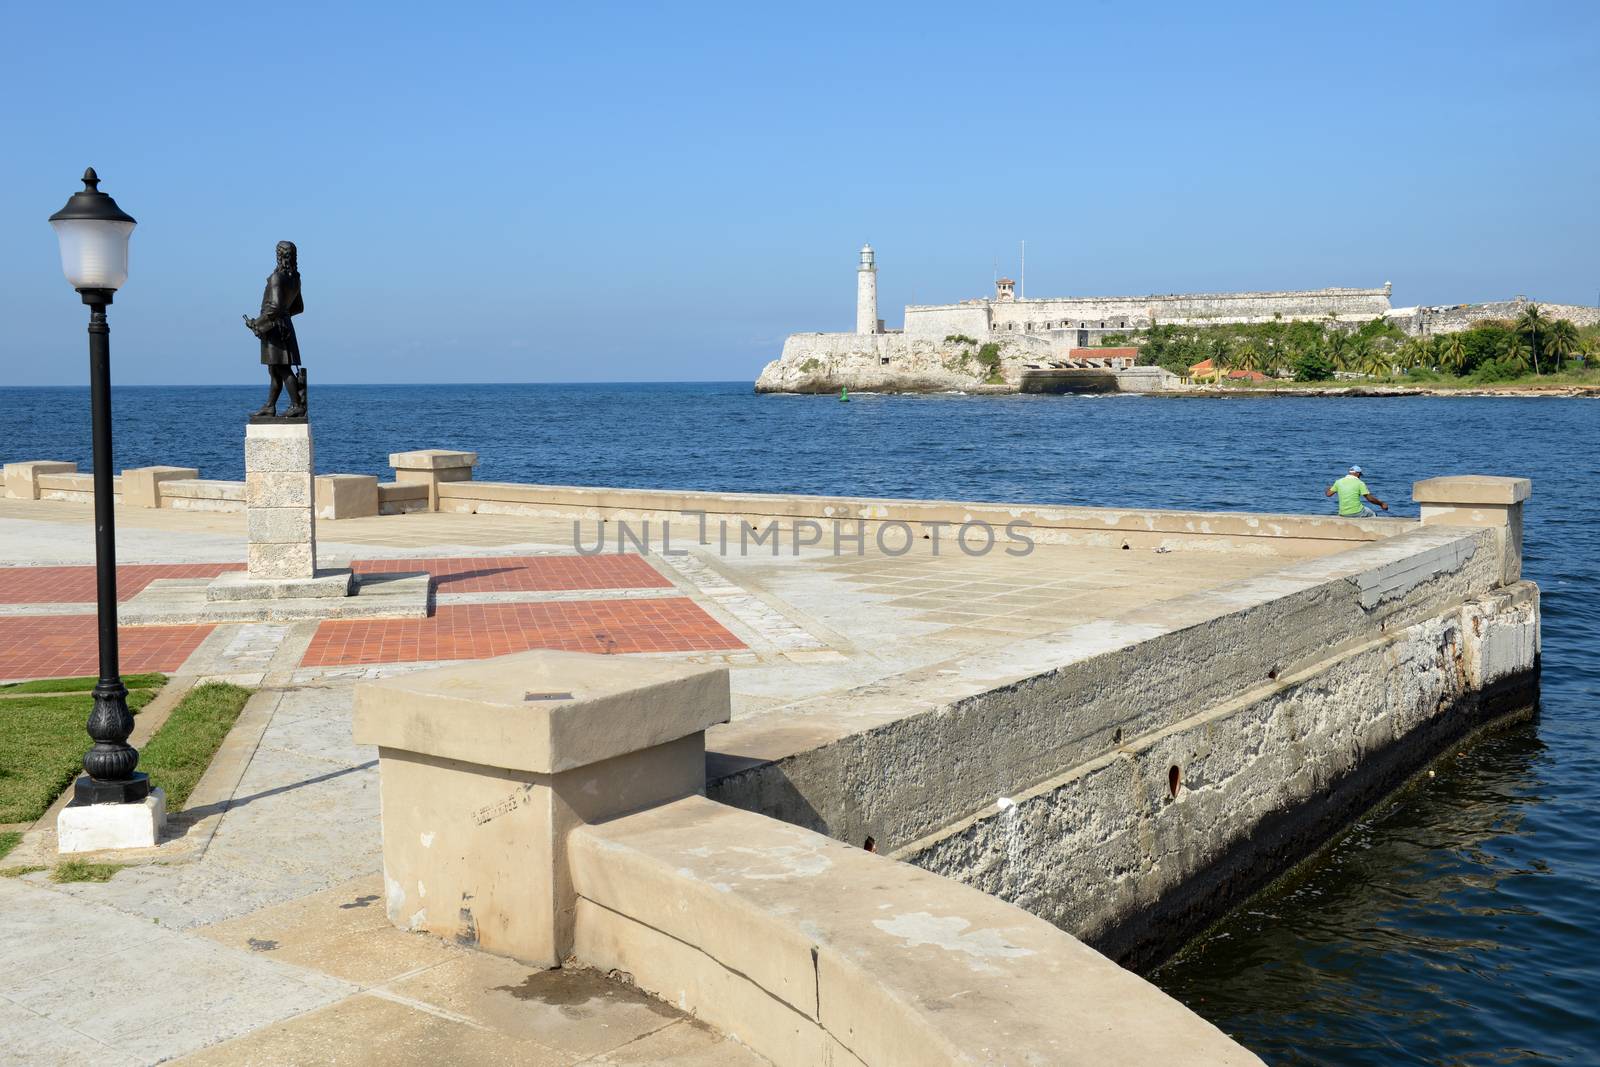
(867, 293)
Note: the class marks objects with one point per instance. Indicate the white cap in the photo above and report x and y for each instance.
(1355, 469)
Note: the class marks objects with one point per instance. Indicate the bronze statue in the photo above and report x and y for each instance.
(280, 351)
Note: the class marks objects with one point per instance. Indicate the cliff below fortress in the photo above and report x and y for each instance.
(893, 363)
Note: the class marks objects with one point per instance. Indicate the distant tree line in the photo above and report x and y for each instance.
(1493, 350)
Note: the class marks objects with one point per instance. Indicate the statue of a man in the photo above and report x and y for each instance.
(280, 351)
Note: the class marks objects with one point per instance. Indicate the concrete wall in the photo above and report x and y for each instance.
(1285, 702)
(571, 830)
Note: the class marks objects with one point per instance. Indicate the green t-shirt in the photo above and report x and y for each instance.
(1350, 489)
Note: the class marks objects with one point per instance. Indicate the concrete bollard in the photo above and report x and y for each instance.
(346, 496)
(1479, 500)
(141, 486)
(485, 769)
(22, 479)
(430, 466)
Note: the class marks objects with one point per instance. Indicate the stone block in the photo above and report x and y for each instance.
(485, 770)
(430, 467)
(240, 585)
(278, 489)
(435, 459)
(1459, 489)
(93, 827)
(277, 447)
(1479, 500)
(346, 496)
(141, 486)
(284, 560)
(22, 479)
(280, 525)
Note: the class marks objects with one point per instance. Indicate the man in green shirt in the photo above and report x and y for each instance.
(1351, 491)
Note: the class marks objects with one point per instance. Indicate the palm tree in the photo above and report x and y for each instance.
(1517, 354)
(1453, 353)
(1247, 358)
(1374, 360)
(1532, 323)
(1338, 350)
(1562, 342)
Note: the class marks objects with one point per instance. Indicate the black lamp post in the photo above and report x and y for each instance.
(94, 234)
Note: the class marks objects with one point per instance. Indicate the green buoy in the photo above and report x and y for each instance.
(844, 396)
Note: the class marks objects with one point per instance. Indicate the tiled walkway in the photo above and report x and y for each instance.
(477, 631)
(61, 646)
(39, 646)
(523, 574)
(76, 585)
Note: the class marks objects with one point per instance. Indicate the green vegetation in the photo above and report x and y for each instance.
(181, 750)
(810, 365)
(19, 871)
(81, 871)
(960, 339)
(8, 841)
(1112, 340)
(1531, 349)
(989, 361)
(42, 742)
(81, 685)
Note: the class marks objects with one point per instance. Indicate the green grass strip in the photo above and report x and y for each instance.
(8, 841)
(82, 685)
(18, 872)
(181, 750)
(83, 871)
(42, 742)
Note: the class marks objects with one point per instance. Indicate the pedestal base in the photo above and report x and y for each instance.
(239, 585)
(95, 827)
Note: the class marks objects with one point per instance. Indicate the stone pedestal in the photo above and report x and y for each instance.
(485, 769)
(22, 479)
(279, 500)
(430, 466)
(96, 827)
(1479, 500)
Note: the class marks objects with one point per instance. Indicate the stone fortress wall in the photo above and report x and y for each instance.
(933, 351)
(1116, 313)
(1429, 321)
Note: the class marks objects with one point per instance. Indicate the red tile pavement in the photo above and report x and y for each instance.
(63, 646)
(75, 585)
(505, 574)
(477, 631)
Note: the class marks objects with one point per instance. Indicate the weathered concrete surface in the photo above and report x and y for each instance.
(487, 768)
(812, 951)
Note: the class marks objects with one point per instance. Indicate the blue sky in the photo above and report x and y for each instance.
(662, 192)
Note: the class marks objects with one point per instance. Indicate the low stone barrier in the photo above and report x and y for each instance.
(546, 806)
(78, 488)
(1104, 527)
(202, 494)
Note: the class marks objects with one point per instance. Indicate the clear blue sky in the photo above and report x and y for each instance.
(592, 192)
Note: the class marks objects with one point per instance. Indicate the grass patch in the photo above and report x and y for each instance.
(81, 871)
(42, 742)
(82, 685)
(181, 750)
(18, 872)
(8, 841)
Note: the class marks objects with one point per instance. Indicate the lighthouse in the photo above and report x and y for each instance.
(867, 293)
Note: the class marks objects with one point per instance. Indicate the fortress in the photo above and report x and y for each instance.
(984, 344)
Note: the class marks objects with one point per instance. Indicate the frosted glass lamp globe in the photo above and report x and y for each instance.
(93, 232)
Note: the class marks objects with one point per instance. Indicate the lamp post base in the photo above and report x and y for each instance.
(131, 790)
(98, 827)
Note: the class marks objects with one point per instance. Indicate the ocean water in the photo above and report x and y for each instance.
(1455, 925)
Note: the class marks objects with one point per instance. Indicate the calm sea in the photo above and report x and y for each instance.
(1454, 926)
